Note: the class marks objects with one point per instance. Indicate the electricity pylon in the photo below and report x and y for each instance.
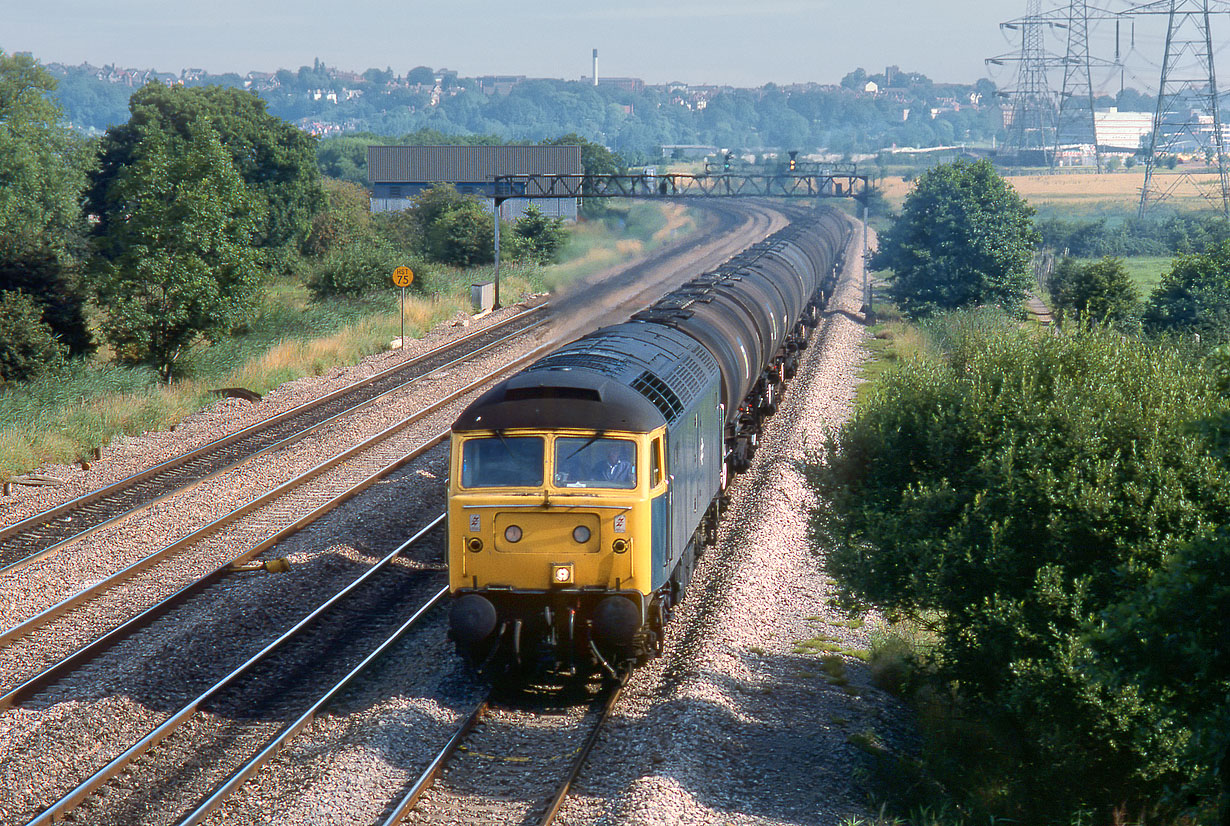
(1187, 115)
(1076, 122)
(1031, 135)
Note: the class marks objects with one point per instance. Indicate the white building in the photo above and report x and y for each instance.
(1121, 130)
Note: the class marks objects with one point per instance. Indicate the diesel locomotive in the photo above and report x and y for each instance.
(582, 489)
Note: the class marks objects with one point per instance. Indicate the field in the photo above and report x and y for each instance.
(1088, 195)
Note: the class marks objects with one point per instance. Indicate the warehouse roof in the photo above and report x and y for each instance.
(472, 164)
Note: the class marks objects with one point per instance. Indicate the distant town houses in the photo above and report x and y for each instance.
(901, 107)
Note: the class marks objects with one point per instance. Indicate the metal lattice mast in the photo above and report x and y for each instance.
(1187, 115)
(1031, 134)
(1033, 109)
(1076, 123)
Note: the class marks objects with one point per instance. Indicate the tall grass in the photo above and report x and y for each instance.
(62, 417)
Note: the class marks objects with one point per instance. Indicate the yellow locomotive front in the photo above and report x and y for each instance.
(550, 536)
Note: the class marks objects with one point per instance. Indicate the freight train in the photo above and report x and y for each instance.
(582, 489)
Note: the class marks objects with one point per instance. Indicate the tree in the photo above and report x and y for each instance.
(430, 205)
(1194, 297)
(1009, 488)
(1101, 291)
(964, 237)
(540, 237)
(27, 345)
(352, 246)
(1169, 636)
(463, 235)
(423, 75)
(176, 258)
(356, 268)
(41, 276)
(42, 173)
(346, 220)
(276, 161)
(855, 80)
(42, 166)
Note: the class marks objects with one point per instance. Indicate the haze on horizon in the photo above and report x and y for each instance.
(715, 41)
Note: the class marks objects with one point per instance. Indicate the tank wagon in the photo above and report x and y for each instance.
(582, 489)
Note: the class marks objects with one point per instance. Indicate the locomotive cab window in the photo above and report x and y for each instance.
(595, 463)
(655, 463)
(501, 462)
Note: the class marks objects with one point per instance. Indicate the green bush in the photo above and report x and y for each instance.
(27, 345)
(1194, 297)
(1101, 292)
(538, 237)
(1009, 487)
(356, 268)
(463, 235)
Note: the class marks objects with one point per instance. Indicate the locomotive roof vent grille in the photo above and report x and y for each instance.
(604, 364)
(659, 393)
(688, 374)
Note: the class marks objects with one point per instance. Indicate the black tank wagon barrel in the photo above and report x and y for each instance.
(582, 489)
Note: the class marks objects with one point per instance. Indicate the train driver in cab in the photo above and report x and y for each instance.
(617, 469)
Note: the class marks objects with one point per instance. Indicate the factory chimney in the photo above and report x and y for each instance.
(595, 67)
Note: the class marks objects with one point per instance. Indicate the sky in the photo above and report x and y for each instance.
(736, 42)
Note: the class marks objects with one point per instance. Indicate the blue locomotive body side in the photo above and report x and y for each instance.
(694, 462)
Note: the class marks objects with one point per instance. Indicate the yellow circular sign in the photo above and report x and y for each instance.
(403, 276)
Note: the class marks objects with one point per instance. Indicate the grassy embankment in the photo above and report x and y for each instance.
(61, 417)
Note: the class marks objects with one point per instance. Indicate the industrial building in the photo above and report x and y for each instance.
(398, 173)
(1122, 131)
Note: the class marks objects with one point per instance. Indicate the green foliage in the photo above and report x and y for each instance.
(177, 262)
(27, 345)
(1194, 297)
(41, 276)
(541, 238)
(964, 238)
(42, 166)
(1170, 638)
(1100, 292)
(346, 219)
(276, 161)
(1007, 489)
(1135, 237)
(421, 74)
(463, 235)
(356, 268)
(428, 208)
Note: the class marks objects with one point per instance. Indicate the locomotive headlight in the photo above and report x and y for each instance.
(581, 534)
(474, 544)
(513, 533)
(562, 574)
(619, 546)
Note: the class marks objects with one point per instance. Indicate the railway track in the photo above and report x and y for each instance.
(236, 725)
(85, 653)
(46, 533)
(513, 761)
(255, 527)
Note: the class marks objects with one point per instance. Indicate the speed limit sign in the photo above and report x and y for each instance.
(403, 276)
